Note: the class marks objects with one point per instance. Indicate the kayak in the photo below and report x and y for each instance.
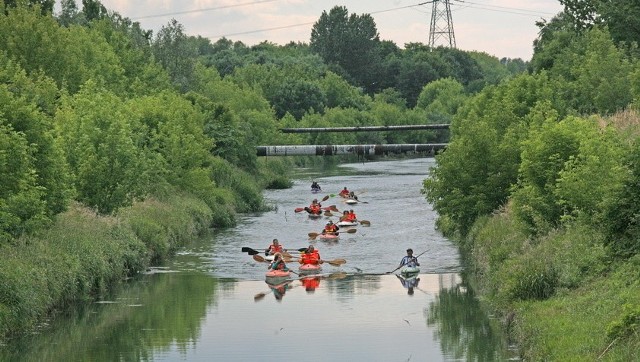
(276, 276)
(315, 216)
(347, 223)
(350, 201)
(315, 191)
(310, 268)
(409, 270)
(329, 237)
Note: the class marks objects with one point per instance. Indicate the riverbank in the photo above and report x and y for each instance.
(562, 297)
(83, 255)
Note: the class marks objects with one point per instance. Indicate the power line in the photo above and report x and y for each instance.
(508, 10)
(202, 10)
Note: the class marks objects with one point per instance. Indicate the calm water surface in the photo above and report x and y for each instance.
(211, 303)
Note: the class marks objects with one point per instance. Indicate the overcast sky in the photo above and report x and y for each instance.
(503, 28)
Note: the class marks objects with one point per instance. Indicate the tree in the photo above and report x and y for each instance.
(176, 54)
(350, 42)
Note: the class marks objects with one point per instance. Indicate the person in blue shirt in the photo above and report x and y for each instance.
(409, 260)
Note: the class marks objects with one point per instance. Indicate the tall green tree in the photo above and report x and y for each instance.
(349, 41)
(176, 54)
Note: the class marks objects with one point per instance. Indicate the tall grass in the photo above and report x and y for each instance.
(561, 296)
(84, 254)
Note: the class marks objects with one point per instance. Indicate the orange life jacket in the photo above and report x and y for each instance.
(310, 258)
(274, 249)
(331, 228)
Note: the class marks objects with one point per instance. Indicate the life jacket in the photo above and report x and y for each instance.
(274, 249)
(331, 228)
(344, 193)
(310, 258)
(315, 209)
(351, 217)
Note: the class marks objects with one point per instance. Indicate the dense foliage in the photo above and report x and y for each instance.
(539, 184)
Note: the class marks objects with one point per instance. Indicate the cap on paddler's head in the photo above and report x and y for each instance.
(409, 250)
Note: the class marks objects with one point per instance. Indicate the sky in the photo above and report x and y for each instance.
(502, 28)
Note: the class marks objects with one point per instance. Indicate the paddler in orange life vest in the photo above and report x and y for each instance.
(330, 228)
(315, 207)
(345, 216)
(344, 193)
(352, 216)
(310, 256)
(275, 247)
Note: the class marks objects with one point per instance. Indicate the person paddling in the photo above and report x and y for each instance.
(275, 247)
(310, 256)
(315, 186)
(278, 263)
(330, 228)
(409, 260)
(315, 207)
(344, 193)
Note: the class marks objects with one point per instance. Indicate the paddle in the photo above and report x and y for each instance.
(403, 265)
(299, 209)
(312, 236)
(365, 222)
(335, 262)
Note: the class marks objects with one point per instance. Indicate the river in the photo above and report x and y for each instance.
(211, 302)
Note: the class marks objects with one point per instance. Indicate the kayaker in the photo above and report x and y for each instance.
(278, 263)
(315, 207)
(310, 256)
(352, 216)
(315, 186)
(344, 193)
(409, 260)
(275, 247)
(352, 195)
(345, 216)
(330, 228)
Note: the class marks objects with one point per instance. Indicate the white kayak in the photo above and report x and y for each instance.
(347, 223)
(409, 270)
(350, 201)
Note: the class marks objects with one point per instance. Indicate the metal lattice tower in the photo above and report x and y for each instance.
(441, 29)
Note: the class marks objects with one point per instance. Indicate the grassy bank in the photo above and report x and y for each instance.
(561, 296)
(84, 254)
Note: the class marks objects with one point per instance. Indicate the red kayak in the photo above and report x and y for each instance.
(329, 237)
(274, 274)
(310, 268)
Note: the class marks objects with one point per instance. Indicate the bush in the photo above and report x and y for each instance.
(527, 277)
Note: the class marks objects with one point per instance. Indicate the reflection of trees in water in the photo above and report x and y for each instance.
(464, 330)
(173, 315)
(346, 288)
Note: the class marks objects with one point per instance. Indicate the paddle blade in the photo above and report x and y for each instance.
(334, 208)
(365, 223)
(325, 198)
(336, 262)
(259, 258)
(299, 209)
(328, 213)
(259, 296)
(350, 231)
(312, 236)
(246, 249)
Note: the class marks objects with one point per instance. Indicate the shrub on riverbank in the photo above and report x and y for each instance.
(562, 296)
(83, 254)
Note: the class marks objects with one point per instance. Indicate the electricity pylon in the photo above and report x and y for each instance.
(441, 25)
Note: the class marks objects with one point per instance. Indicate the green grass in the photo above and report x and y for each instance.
(566, 299)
